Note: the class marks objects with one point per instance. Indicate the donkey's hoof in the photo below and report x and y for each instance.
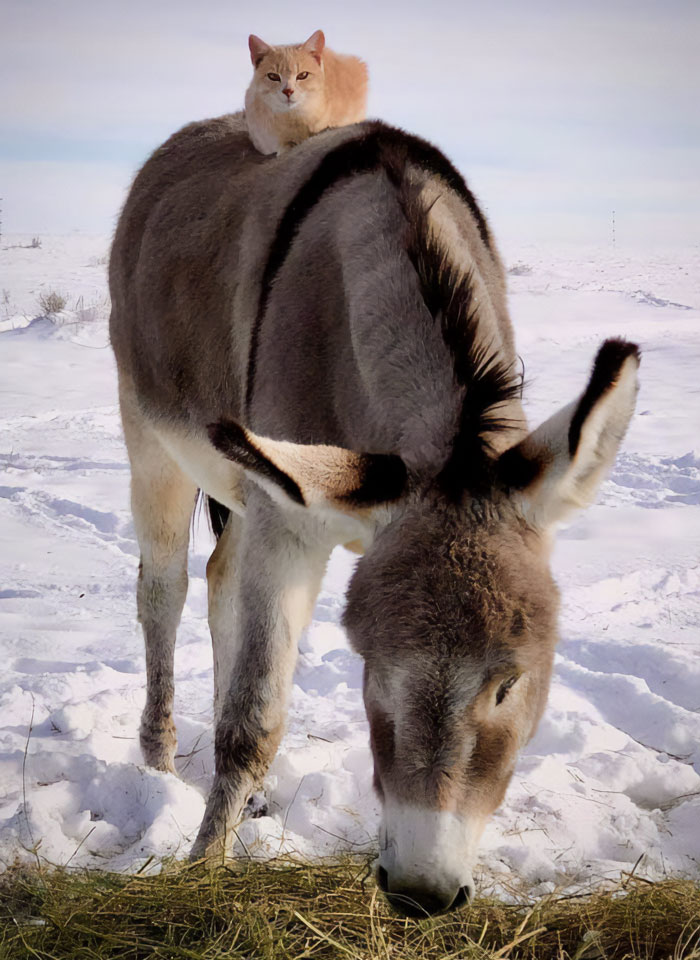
(158, 743)
(160, 761)
(213, 850)
(158, 755)
(256, 807)
(163, 766)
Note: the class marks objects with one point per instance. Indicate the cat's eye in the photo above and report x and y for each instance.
(504, 688)
(273, 76)
(303, 75)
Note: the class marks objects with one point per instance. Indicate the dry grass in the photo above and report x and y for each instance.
(290, 911)
(51, 301)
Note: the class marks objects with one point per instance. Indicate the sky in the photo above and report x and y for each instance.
(556, 111)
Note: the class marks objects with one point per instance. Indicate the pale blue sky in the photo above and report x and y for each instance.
(556, 112)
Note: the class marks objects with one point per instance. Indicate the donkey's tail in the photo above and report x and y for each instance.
(217, 513)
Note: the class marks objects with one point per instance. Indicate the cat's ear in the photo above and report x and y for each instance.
(315, 44)
(258, 48)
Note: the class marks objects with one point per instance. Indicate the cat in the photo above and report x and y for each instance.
(300, 89)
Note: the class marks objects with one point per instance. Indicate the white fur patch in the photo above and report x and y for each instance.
(428, 849)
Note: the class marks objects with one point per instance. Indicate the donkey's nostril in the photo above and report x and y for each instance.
(382, 879)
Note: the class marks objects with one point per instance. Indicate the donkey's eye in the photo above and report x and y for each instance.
(273, 76)
(303, 75)
(504, 688)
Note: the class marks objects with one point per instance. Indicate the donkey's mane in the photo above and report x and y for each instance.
(485, 376)
(483, 372)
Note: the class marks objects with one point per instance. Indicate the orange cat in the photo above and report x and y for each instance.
(300, 89)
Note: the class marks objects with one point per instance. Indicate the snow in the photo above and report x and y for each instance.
(613, 773)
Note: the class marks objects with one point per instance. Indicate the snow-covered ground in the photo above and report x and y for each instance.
(614, 771)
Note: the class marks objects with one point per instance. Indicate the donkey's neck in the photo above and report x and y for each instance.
(411, 361)
(346, 322)
(404, 365)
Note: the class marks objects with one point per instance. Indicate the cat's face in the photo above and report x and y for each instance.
(289, 78)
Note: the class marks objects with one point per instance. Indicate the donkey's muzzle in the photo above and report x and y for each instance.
(422, 902)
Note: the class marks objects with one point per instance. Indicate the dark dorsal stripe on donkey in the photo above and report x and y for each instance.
(320, 342)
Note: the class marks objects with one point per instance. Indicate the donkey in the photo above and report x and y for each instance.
(320, 342)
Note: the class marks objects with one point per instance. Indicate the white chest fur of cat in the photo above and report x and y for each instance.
(301, 89)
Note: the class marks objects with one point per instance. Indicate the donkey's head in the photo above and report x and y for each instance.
(454, 612)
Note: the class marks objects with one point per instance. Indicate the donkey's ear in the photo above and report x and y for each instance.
(258, 48)
(309, 474)
(315, 45)
(559, 467)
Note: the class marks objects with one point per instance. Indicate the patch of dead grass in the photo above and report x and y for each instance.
(289, 911)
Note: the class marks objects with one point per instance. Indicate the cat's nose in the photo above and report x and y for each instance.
(288, 91)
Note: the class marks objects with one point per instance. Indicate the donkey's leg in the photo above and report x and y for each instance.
(277, 577)
(223, 572)
(222, 582)
(162, 500)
